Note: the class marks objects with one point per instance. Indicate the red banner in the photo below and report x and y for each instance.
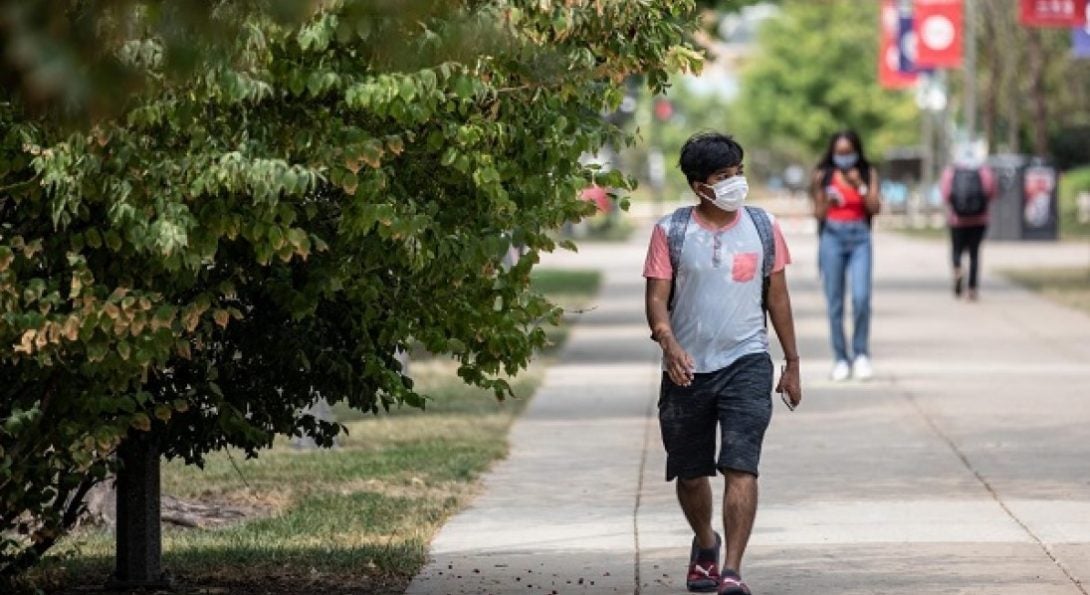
(939, 33)
(1053, 13)
(890, 75)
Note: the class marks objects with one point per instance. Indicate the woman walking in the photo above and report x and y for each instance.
(845, 193)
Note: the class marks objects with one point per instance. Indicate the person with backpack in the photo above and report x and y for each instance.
(845, 193)
(715, 275)
(968, 189)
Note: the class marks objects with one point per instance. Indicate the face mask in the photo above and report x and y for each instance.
(730, 194)
(846, 161)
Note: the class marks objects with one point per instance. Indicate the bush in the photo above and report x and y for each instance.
(1071, 184)
(214, 252)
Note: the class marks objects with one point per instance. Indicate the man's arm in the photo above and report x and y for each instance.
(779, 310)
(678, 363)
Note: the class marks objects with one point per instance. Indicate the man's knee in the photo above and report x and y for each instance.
(736, 476)
(695, 483)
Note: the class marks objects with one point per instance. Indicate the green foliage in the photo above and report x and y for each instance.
(815, 73)
(1006, 68)
(1071, 184)
(221, 249)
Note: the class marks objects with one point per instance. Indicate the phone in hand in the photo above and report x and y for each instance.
(834, 196)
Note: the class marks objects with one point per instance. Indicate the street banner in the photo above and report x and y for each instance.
(1080, 42)
(1080, 36)
(939, 28)
(1052, 13)
(890, 75)
(906, 42)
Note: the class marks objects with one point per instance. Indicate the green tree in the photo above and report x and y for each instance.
(206, 255)
(816, 72)
(1034, 94)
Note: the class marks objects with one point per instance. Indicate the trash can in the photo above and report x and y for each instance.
(1026, 206)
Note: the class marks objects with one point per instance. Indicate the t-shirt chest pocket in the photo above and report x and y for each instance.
(744, 266)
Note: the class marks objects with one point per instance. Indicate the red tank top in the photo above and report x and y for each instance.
(852, 207)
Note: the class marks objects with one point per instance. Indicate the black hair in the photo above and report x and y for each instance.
(708, 152)
(828, 165)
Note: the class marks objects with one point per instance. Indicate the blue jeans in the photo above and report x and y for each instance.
(845, 253)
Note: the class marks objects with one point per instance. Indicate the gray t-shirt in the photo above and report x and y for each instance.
(717, 315)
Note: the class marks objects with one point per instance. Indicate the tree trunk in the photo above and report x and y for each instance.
(1009, 38)
(995, 75)
(1038, 93)
(139, 543)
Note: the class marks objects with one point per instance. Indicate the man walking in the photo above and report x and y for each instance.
(713, 273)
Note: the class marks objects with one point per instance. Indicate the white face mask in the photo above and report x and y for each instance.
(730, 194)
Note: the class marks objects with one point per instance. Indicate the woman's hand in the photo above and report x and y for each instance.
(854, 177)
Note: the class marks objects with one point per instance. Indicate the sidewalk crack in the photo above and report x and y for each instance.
(911, 398)
(637, 588)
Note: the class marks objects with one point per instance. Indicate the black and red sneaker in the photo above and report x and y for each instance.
(703, 576)
(731, 584)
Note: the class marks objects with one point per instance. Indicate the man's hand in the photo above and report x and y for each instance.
(790, 383)
(679, 364)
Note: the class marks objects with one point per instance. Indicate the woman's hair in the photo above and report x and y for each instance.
(708, 152)
(827, 164)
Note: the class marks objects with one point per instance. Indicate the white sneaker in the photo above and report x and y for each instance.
(862, 369)
(841, 371)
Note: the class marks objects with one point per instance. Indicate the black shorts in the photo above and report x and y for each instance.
(737, 399)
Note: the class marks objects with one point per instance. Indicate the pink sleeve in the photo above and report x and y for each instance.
(658, 265)
(987, 178)
(945, 182)
(783, 255)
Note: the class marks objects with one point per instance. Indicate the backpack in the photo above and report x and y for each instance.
(675, 239)
(967, 196)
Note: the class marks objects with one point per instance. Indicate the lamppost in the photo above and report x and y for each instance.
(931, 98)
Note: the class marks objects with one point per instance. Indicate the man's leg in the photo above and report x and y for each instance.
(745, 410)
(695, 496)
(687, 418)
(739, 511)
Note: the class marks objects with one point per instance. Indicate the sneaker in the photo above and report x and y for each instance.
(841, 371)
(862, 369)
(732, 584)
(703, 576)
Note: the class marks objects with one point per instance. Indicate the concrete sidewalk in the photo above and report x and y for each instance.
(964, 467)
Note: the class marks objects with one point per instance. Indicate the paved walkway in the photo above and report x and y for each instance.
(964, 467)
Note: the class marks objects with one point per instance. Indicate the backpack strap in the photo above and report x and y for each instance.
(763, 224)
(675, 239)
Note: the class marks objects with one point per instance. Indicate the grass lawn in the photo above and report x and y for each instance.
(1071, 183)
(1068, 286)
(357, 519)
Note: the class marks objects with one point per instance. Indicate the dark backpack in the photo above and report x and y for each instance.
(675, 238)
(967, 196)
